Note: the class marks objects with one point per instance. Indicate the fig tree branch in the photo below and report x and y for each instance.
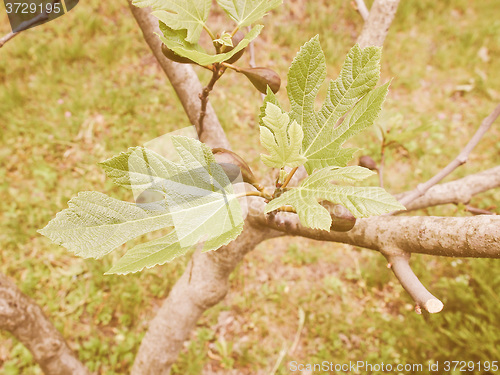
(362, 9)
(476, 237)
(458, 161)
(22, 317)
(400, 265)
(378, 22)
(458, 191)
(184, 81)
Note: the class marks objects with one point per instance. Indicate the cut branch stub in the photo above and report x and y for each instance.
(400, 265)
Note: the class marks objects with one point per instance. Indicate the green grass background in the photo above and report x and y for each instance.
(82, 88)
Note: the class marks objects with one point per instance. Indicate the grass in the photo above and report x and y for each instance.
(85, 87)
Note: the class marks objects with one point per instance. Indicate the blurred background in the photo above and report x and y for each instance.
(85, 87)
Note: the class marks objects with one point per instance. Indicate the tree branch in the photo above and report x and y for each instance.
(400, 265)
(362, 9)
(476, 237)
(185, 82)
(377, 25)
(203, 284)
(22, 317)
(458, 191)
(458, 161)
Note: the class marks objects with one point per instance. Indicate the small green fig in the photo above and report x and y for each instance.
(171, 55)
(263, 77)
(237, 38)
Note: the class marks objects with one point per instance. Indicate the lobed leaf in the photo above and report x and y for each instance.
(199, 203)
(190, 15)
(175, 40)
(326, 131)
(247, 12)
(360, 201)
(281, 138)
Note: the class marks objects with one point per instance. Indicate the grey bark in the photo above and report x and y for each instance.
(24, 319)
(477, 236)
(458, 191)
(377, 25)
(203, 284)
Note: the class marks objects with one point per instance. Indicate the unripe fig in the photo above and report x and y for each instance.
(368, 162)
(171, 55)
(263, 77)
(237, 38)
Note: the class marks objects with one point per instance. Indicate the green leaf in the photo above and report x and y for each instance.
(306, 74)
(269, 98)
(225, 40)
(329, 151)
(175, 41)
(246, 12)
(357, 78)
(360, 201)
(95, 224)
(199, 203)
(281, 138)
(180, 14)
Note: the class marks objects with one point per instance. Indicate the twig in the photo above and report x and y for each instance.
(204, 97)
(458, 161)
(400, 265)
(458, 191)
(26, 25)
(254, 194)
(362, 9)
(478, 211)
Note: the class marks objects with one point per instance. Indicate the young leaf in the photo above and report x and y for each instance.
(180, 14)
(329, 151)
(95, 224)
(281, 138)
(322, 144)
(361, 201)
(199, 203)
(246, 12)
(175, 40)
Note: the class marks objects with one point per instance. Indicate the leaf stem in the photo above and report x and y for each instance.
(230, 66)
(289, 177)
(209, 32)
(286, 209)
(254, 194)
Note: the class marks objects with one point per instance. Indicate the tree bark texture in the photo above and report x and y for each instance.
(24, 319)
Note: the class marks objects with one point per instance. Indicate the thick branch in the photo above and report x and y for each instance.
(400, 265)
(477, 236)
(377, 25)
(458, 191)
(185, 82)
(203, 284)
(22, 317)
(458, 161)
